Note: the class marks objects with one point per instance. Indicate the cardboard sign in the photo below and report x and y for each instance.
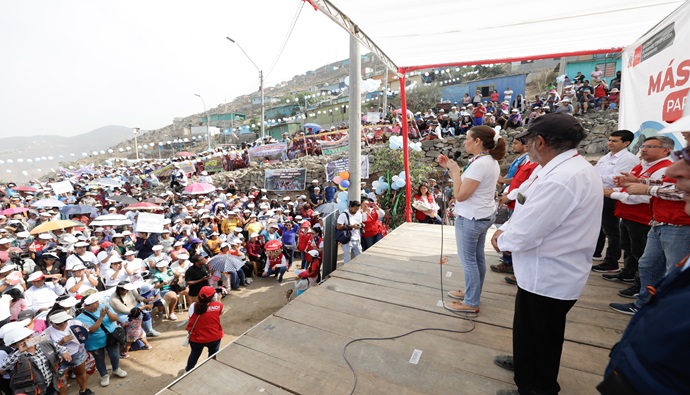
(149, 223)
(61, 187)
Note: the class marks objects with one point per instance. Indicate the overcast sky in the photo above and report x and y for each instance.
(71, 66)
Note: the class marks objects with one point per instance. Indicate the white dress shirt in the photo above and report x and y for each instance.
(552, 234)
(44, 296)
(613, 165)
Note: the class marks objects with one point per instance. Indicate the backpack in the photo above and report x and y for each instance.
(23, 380)
(343, 236)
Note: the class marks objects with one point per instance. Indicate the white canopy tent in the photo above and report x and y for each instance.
(409, 35)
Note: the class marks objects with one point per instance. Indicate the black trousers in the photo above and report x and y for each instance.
(538, 332)
(633, 240)
(610, 224)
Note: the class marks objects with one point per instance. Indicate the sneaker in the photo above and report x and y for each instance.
(461, 307)
(502, 268)
(153, 333)
(249, 281)
(119, 372)
(606, 268)
(105, 380)
(505, 361)
(172, 317)
(460, 295)
(598, 258)
(124, 355)
(617, 277)
(631, 292)
(625, 308)
(511, 280)
(87, 392)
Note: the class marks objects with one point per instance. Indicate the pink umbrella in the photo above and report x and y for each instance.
(184, 153)
(143, 206)
(199, 188)
(24, 188)
(14, 210)
(399, 111)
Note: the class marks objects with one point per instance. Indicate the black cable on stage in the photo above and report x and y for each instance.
(463, 316)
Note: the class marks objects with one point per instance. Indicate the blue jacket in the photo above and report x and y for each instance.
(652, 355)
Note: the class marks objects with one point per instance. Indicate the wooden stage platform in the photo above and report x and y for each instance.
(391, 289)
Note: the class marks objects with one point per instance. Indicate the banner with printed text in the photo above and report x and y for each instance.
(284, 180)
(213, 165)
(656, 78)
(334, 168)
(335, 147)
(268, 152)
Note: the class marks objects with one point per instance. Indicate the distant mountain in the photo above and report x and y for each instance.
(27, 153)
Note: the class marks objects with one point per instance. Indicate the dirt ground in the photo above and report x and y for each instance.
(150, 371)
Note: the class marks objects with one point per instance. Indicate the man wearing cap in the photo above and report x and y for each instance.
(552, 256)
(43, 358)
(82, 256)
(82, 281)
(41, 295)
(316, 198)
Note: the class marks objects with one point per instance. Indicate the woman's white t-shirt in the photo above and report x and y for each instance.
(481, 203)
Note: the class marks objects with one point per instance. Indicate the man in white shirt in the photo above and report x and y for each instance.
(618, 160)
(81, 255)
(351, 220)
(41, 296)
(508, 95)
(551, 256)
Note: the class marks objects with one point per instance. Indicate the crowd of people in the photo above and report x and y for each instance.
(76, 260)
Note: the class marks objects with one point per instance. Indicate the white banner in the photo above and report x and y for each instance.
(149, 223)
(656, 78)
(61, 187)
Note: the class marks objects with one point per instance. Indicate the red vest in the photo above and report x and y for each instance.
(521, 175)
(372, 226)
(669, 211)
(418, 214)
(640, 213)
(272, 262)
(208, 328)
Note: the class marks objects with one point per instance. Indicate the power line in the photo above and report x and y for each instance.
(287, 37)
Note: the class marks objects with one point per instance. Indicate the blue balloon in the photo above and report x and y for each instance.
(395, 186)
(342, 205)
(379, 191)
(344, 183)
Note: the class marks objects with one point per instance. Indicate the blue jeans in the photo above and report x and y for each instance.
(470, 236)
(351, 250)
(370, 241)
(478, 121)
(99, 357)
(237, 279)
(666, 246)
(280, 271)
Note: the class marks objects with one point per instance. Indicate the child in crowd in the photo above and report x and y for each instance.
(152, 295)
(134, 331)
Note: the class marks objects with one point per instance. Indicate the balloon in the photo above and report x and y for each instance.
(51, 158)
(395, 186)
(391, 144)
(342, 205)
(400, 183)
(9, 161)
(394, 178)
(2, 162)
(341, 188)
(9, 171)
(344, 175)
(375, 184)
(402, 175)
(379, 191)
(29, 161)
(20, 160)
(344, 183)
(337, 179)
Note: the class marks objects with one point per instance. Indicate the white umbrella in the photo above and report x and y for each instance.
(48, 203)
(111, 220)
(106, 182)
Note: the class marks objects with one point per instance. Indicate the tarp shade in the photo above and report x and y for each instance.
(416, 34)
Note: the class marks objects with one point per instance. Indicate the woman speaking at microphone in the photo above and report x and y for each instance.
(474, 190)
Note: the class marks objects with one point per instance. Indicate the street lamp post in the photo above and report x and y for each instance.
(208, 120)
(136, 145)
(261, 87)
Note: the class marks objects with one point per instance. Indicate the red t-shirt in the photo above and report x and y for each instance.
(208, 328)
(494, 97)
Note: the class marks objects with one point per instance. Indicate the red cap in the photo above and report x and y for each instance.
(273, 245)
(207, 292)
(106, 244)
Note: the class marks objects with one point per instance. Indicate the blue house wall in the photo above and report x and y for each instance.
(608, 65)
(454, 93)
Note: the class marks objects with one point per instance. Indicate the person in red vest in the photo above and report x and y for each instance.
(373, 228)
(636, 214)
(204, 326)
(276, 263)
(668, 240)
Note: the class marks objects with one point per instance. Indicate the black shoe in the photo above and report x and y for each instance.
(618, 277)
(631, 292)
(606, 268)
(511, 280)
(625, 308)
(505, 361)
(87, 392)
(280, 279)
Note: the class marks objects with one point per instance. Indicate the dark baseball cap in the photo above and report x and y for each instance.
(560, 125)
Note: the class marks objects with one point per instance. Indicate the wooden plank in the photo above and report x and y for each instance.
(391, 367)
(575, 356)
(214, 377)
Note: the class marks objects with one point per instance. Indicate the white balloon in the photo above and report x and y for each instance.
(84, 154)
(9, 161)
(101, 152)
(43, 158)
(37, 159)
(121, 150)
(72, 154)
(51, 158)
(29, 160)
(20, 160)
(39, 170)
(9, 171)
(94, 153)
(110, 151)
(128, 148)
(2, 162)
